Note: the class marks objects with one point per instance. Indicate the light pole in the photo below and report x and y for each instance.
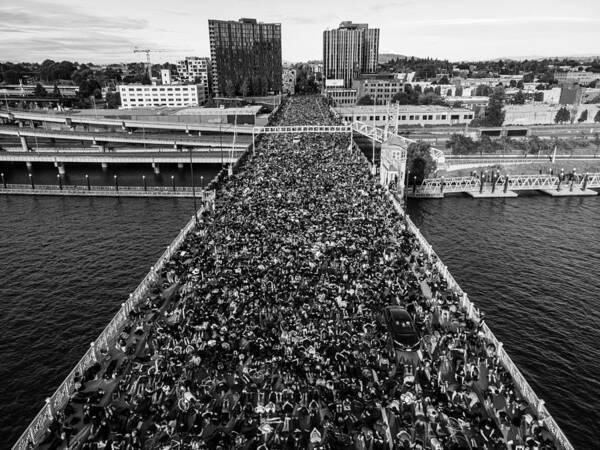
(193, 188)
(173, 182)
(116, 182)
(87, 181)
(59, 181)
(144, 178)
(3, 180)
(31, 181)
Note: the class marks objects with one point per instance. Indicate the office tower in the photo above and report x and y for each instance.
(350, 50)
(245, 57)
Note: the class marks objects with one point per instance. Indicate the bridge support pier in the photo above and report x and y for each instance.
(156, 168)
(180, 165)
(24, 145)
(104, 166)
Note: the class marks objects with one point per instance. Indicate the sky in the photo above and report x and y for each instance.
(108, 30)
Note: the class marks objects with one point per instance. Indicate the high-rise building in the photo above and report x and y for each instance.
(245, 57)
(350, 50)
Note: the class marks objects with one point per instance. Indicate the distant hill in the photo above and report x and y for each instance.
(387, 57)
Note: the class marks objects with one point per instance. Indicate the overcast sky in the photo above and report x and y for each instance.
(107, 30)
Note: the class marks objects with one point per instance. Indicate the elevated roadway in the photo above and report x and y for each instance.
(148, 157)
(72, 119)
(108, 138)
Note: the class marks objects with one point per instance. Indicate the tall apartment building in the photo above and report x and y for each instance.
(245, 57)
(350, 50)
(194, 69)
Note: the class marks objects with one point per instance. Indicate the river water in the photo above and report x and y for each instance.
(531, 264)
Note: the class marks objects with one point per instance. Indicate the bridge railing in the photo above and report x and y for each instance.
(99, 348)
(473, 312)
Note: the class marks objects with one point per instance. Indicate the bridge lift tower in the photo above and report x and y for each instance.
(147, 52)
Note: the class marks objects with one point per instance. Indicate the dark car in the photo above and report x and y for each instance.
(402, 329)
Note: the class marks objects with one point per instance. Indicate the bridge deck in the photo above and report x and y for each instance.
(265, 324)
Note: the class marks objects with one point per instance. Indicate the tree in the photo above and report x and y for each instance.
(230, 89)
(483, 90)
(419, 160)
(11, 77)
(245, 87)
(494, 113)
(449, 93)
(113, 100)
(519, 98)
(444, 80)
(485, 144)
(461, 145)
(538, 96)
(56, 92)
(534, 145)
(520, 84)
(597, 117)
(563, 115)
(365, 100)
(39, 91)
(528, 78)
(513, 83)
(583, 117)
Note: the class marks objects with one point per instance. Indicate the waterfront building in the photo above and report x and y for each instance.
(340, 96)
(141, 95)
(406, 115)
(289, 81)
(350, 50)
(245, 57)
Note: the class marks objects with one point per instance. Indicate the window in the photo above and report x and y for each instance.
(454, 117)
(403, 117)
(411, 118)
(443, 116)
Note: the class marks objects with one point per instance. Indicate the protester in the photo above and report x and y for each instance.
(267, 328)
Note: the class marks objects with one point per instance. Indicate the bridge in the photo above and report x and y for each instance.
(150, 156)
(506, 186)
(278, 253)
(71, 119)
(107, 191)
(101, 139)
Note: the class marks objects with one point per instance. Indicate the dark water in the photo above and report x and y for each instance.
(533, 265)
(66, 264)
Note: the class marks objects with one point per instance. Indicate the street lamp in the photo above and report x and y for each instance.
(3, 180)
(59, 181)
(202, 181)
(193, 188)
(144, 178)
(87, 180)
(116, 182)
(173, 182)
(31, 181)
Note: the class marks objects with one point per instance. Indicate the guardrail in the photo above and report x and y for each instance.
(100, 347)
(473, 312)
(107, 191)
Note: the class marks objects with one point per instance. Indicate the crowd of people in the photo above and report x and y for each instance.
(266, 331)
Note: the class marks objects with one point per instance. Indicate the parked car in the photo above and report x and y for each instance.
(402, 329)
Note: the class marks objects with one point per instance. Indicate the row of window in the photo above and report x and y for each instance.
(160, 89)
(411, 117)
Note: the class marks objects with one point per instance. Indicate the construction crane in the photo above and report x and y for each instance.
(147, 52)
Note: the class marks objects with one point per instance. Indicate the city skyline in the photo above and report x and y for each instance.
(35, 30)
